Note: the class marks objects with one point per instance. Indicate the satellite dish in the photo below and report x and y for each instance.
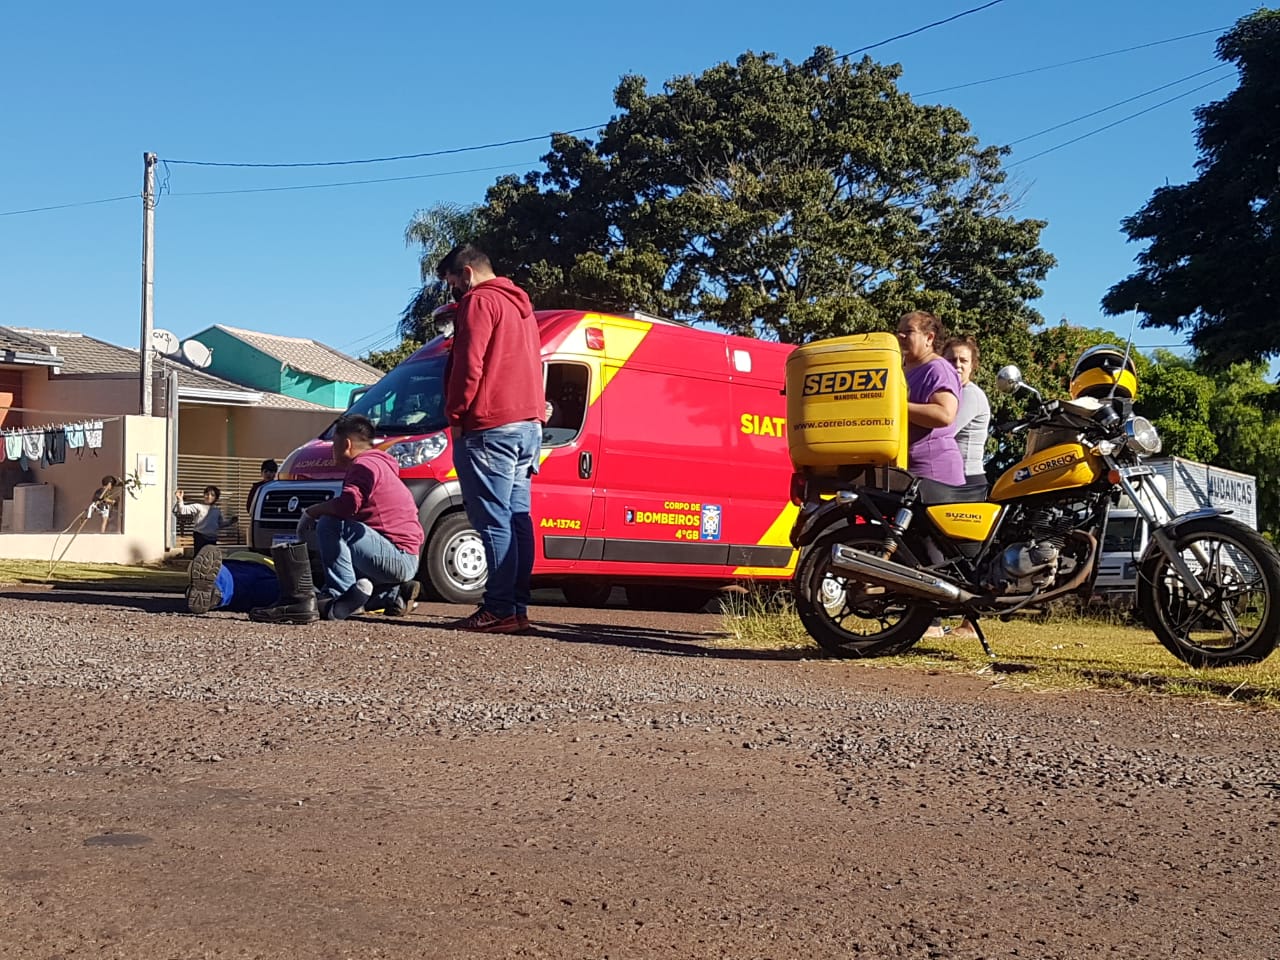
(162, 341)
(196, 353)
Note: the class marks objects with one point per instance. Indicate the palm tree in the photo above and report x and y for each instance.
(437, 230)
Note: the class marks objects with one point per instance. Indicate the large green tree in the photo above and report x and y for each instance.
(1245, 419)
(784, 200)
(1212, 259)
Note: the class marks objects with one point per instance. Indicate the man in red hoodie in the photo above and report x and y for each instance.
(495, 402)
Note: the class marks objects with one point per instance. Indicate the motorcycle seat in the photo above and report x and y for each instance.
(934, 492)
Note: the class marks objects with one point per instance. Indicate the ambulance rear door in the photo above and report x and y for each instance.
(762, 516)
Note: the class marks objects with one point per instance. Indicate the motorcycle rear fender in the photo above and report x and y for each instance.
(809, 525)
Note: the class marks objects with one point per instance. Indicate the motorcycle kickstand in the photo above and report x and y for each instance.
(982, 638)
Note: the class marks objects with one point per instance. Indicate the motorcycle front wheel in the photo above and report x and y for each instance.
(1238, 620)
(849, 618)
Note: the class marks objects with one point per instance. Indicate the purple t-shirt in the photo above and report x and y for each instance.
(933, 452)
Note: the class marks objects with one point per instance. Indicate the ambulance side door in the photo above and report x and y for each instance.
(665, 450)
(561, 491)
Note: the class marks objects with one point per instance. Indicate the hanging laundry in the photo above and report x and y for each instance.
(93, 435)
(55, 446)
(75, 436)
(33, 445)
(13, 445)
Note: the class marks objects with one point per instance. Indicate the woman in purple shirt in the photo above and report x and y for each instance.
(933, 397)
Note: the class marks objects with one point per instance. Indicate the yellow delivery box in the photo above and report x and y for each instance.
(847, 403)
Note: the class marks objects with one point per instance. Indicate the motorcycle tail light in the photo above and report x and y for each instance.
(797, 489)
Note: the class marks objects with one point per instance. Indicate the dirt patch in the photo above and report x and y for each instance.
(616, 786)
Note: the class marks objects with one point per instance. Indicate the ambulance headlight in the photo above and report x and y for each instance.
(413, 453)
(1141, 437)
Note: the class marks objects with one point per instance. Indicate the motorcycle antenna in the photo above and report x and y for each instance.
(1128, 349)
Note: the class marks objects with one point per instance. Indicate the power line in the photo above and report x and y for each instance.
(405, 156)
(1115, 123)
(1120, 103)
(508, 143)
(65, 206)
(1068, 63)
(912, 33)
(348, 183)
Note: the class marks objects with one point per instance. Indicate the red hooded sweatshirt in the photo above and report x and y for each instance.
(494, 375)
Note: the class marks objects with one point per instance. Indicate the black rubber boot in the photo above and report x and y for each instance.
(202, 591)
(297, 589)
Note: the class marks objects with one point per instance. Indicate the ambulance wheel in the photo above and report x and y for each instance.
(643, 596)
(453, 560)
(587, 593)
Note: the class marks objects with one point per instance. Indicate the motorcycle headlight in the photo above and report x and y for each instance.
(412, 453)
(1141, 437)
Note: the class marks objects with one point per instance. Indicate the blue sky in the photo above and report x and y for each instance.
(89, 87)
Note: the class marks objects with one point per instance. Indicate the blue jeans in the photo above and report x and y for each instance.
(350, 549)
(494, 468)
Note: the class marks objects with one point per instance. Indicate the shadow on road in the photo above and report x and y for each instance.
(658, 640)
(150, 603)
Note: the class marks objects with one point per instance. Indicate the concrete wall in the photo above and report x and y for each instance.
(140, 521)
(260, 432)
(70, 398)
(11, 380)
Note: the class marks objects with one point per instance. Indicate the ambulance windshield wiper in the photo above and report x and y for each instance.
(405, 429)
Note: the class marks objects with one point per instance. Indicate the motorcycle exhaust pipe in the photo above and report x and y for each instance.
(885, 573)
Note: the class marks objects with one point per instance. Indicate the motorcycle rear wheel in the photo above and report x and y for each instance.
(848, 618)
(1239, 621)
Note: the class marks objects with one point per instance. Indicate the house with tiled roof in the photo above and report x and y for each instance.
(222, 431)
(295, 367)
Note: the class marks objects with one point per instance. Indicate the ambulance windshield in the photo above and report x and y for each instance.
(408, 400)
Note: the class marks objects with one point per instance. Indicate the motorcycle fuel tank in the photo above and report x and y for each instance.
(1062, 466)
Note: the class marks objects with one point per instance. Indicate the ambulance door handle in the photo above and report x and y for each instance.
(584, 465)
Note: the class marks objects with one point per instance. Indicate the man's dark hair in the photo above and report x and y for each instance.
(355, 427)
(269, 466)
(463, 255)
(217, 494)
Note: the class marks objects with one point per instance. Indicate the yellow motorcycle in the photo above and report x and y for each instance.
(884, 552)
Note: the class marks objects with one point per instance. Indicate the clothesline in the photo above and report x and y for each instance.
(83, 414)
(47, 444)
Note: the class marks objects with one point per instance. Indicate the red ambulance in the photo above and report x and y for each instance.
(664, 465)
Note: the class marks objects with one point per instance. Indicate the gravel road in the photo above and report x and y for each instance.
(620, 785)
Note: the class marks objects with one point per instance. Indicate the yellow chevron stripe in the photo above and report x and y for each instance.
(778, 535)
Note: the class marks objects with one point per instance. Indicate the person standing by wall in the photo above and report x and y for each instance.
(269, 470)
(495, 402)
(973, 418)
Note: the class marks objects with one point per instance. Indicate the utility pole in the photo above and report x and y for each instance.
(148, 278)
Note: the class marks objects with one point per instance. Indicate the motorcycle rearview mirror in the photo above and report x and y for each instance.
(1009, 379)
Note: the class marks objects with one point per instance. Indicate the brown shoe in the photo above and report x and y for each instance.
(525, 626)
(482, 621)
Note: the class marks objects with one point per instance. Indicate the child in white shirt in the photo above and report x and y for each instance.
(209, 520)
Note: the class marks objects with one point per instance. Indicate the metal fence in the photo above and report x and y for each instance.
(233, 476)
